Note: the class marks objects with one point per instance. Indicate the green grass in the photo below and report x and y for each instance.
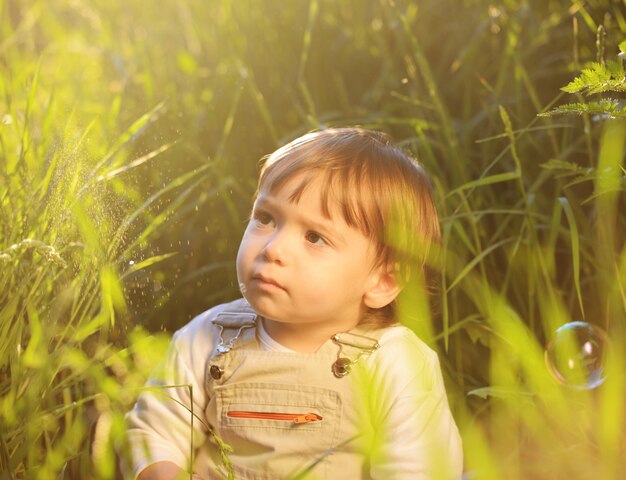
(129, 143)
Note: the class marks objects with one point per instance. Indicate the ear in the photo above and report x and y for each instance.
(383, 288)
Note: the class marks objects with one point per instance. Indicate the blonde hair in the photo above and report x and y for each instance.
(379, 188)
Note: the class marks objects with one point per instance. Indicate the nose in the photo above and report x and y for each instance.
(275, 249)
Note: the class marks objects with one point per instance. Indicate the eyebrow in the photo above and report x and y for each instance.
(325, 226)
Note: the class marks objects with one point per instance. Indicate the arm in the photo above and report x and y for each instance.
(159, 426)
(415, 436)
(163, 471)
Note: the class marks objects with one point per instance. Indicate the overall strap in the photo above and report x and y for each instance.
(236, 321)
(237, 317)
(352, 346)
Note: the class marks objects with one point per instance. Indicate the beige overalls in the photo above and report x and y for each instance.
(285, 415)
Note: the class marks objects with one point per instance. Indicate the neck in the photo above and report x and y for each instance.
(303, 338)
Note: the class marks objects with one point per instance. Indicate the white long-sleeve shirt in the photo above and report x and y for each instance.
(387, 419)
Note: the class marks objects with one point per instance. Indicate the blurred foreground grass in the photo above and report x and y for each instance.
(129, 141)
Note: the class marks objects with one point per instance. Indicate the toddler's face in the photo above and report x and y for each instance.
(295, 265)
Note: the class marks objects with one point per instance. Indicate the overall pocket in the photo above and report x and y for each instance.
(297, 418)
(277, 429)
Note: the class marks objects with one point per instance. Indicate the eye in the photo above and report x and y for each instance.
(263, 218)
(315, 238)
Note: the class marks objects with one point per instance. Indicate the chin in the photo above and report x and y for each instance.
(261, 306)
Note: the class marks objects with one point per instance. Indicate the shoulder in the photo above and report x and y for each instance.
(405, 359)
(399, 336)
(200, 334)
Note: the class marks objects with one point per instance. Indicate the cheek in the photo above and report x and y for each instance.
(353, 276)
(242, 256)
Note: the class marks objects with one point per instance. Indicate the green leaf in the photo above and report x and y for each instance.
(475, 261)
(147, 263)
(607, 106)
(498, 178)
(589, 77)
(35, 354)
(479, 331)
(598, 78)
(616, 69)
(574, 238)
(565, 166)
(500, 392)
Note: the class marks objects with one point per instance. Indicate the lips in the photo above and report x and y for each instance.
(268, 282)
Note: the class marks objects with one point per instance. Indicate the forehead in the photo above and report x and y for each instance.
(314, 188)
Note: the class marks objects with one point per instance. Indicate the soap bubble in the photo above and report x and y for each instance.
(576, 355)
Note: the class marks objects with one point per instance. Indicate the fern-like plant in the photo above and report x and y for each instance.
(597, 78)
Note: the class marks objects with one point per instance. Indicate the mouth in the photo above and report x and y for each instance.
(266, 282)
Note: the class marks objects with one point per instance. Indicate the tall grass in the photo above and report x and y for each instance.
(70, 360)
(129, 140)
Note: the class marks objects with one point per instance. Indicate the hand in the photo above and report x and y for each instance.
(163, 471)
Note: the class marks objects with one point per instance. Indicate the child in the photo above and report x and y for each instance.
(310, 375)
